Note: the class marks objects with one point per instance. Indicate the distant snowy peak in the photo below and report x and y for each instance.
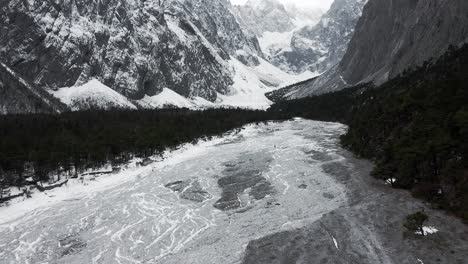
(260, 16)
(265, 5)
(391, 37)
(319, 47)
(304, 16)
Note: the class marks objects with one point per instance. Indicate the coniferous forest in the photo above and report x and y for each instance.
(414, 127)
(83, 140)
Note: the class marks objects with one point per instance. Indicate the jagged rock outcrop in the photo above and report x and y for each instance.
(135, 47)
(18, 96)
(260, 16)
(273, 23)
(319, 47)
(392, 36)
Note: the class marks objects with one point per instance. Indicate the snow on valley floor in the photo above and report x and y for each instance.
(214, 205)
(145, 222)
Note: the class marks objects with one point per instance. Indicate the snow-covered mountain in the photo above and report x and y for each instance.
(274, 23)
(19, 96)
(194, 48)
(301, 40)
(390, 37)
(259, 16)
(319, 47)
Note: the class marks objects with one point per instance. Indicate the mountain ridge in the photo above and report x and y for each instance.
(419, 31)
(137, 48)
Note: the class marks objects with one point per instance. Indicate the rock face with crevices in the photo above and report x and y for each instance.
(260, 16)
(137, 48)
(319, 47)
(19, 96)
(390, 37)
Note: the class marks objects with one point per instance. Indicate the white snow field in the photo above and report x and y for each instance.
(92, 94)
(139, 220)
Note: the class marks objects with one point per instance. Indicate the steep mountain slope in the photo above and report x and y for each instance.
(274, 22)
(19, 96)
(319, 47)
(393, 36)
(260, 16)
(93, 95)
(301, 40)
(137, 48)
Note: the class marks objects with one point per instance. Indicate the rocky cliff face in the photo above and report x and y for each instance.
(319, 47)
(274, 23)
(416, 31)
(391, 36)
(260, 16)
(300, 40)
(18, 96)
(134, 47)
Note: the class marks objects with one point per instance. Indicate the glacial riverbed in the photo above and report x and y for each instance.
(274, 193)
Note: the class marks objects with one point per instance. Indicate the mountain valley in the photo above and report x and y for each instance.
(234, 131)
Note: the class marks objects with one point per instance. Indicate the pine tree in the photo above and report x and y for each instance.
(415, 222)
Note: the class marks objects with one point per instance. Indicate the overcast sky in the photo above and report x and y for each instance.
(324, 4)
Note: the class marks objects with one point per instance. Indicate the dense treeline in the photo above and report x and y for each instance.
(331, 107)
(48, 143)
(415, 127)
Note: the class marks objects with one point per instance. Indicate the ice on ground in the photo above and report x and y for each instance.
(132, 217)
(76, 189)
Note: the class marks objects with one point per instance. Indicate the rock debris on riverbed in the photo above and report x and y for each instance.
(243, 181)
(190, 190)
(241, 201)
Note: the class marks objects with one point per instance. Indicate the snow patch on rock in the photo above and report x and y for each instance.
(169, 98)
(92, 95)
(252, 82)
(428, 230)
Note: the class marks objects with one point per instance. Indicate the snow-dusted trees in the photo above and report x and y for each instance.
(70, 143)
(4, 191)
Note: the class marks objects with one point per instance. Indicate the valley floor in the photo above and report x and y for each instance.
(277, 193)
